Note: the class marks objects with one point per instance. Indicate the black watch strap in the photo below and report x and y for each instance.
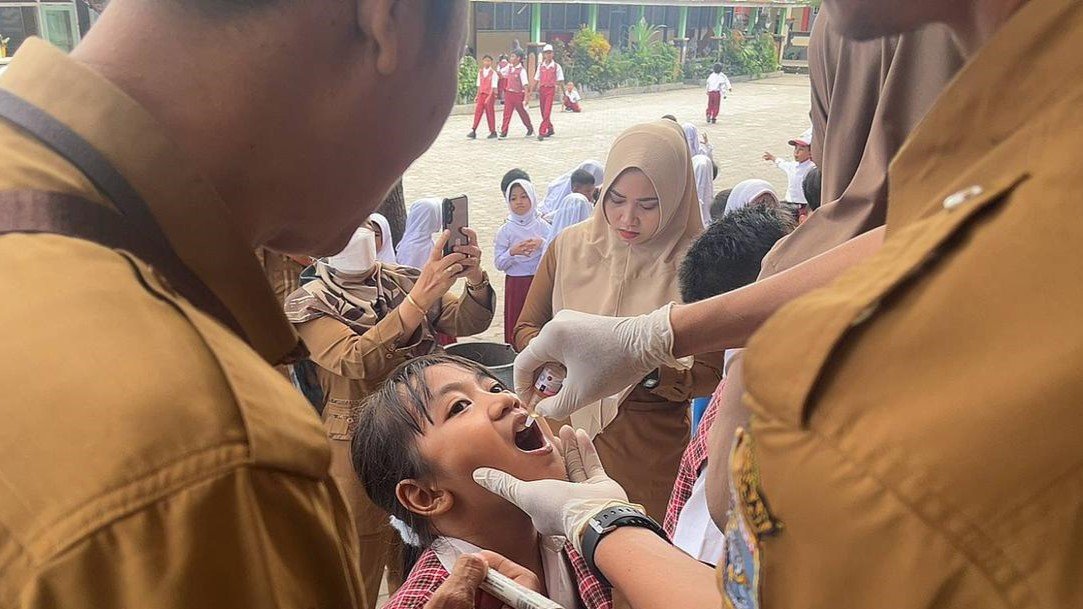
(609, 520)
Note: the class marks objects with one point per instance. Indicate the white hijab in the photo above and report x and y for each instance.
(386, 252)
(562, 186)
(359, 255)
(745, 192)
(703, 170)
(423, 219)
(695, 142)
(575, 208)
(525, 226)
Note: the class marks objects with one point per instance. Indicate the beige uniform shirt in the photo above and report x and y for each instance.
(148, 456)
(917, 431)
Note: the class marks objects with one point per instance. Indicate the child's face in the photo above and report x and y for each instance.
(487, 62)
(547, 56)
(479, 423)
(632, 207)
(379, 232)
(801, 153)
(515, 60)
(519, 201)
(569, 86)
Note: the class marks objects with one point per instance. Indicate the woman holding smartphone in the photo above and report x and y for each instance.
(360, 319)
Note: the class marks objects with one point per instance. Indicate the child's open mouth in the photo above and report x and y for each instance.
(529, 437)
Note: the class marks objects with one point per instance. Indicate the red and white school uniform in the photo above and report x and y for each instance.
(514, 96)
(488, 82)
(571, 100)
(568, 581)
(547, 75)
(502, 78)
(717, 86)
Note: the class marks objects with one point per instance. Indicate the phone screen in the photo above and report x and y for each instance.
(456, 217)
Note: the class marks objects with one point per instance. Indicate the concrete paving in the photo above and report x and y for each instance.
(758, 116)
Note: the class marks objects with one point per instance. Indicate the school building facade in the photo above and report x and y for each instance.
(496, 27)
(61, 22)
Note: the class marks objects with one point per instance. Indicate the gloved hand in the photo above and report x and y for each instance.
(558, 507)
(603, 355)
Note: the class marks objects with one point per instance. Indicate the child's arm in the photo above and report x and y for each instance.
(502, 256)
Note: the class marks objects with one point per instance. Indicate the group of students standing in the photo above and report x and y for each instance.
(510, 83)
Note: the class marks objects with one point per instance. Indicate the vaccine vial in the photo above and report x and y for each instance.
(548, 384)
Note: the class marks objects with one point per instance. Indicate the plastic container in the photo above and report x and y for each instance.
(498, 358)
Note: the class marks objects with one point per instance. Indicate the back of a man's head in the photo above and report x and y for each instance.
(302, 113)
(511, 176)
(729, 253)
(582, 177)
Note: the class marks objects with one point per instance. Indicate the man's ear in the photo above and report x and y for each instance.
(386, 23)
(423, 499)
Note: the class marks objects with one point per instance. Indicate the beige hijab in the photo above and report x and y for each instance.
(597, 272)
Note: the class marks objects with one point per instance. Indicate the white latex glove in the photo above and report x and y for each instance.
(603, 355)
(558, 507)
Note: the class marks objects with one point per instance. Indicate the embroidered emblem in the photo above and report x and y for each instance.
(749, 520)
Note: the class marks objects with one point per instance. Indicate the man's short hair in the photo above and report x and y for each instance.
(487, 56)
(511, 176)
(811, 186)
(582, 177)
(718, 206)
(669, 117)
(717, 68)
(729, 253)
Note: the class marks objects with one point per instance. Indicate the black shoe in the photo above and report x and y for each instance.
(529, 131)
(493, 135)
(504, 135)
(472, 135)
(541, 138)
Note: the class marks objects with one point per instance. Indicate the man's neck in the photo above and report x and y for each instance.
(977, 21)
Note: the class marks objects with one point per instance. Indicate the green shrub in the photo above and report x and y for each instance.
(590, 61)
(740, 54)
(468, 79)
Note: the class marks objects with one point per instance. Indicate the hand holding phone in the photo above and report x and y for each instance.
(456, 213)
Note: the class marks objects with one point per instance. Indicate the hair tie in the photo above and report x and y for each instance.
(408, 535)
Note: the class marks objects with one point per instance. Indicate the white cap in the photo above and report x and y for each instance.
(805, 139)
(547, 48)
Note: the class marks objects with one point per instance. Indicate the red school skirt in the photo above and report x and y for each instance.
(515, 291)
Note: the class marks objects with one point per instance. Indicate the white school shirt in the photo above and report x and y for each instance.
(517, 229)
(560, 70)
(573, 96)
(696, 533)
(718, 82)
(795, 193)
(523, 78)
(492, 76)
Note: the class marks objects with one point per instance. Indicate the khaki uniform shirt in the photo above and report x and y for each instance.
(917, 432)
(282, 271)
(148, 456)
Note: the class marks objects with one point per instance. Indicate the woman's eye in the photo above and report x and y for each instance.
(458, 407)
(648, 206)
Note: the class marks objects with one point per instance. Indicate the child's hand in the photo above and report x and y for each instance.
(767, 156)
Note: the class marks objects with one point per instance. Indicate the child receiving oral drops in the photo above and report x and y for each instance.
(436, 420)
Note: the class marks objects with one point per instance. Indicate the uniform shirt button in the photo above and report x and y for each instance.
(389, 356)
(964, 195)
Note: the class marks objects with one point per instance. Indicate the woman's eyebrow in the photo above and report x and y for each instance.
(642, 199)
(614, 191)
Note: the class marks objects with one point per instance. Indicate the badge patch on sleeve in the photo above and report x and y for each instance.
(748, 522)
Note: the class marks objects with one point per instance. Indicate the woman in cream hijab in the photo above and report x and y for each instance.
(360, 319)
(623, 261)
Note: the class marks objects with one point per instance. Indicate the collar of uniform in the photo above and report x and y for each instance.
(184, 203)
(1021, 74)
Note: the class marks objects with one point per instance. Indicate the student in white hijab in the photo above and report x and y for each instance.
(703, 170)
(751, 192)
(518, 249)
(422, 221)
(696, 145)
(385, 242)
(575, 208)
(562, 186)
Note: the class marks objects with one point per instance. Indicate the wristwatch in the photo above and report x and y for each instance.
(609, 520)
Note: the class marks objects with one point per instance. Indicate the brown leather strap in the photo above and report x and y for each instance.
(133, 229)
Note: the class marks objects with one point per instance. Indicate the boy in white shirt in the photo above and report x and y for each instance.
(485, 103)
(798, 168)
(571, 98)
(718, 85)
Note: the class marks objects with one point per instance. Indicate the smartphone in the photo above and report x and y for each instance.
(456, 218)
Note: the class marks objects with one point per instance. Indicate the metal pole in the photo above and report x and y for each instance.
(535, 22)
(682, 22)
(592, 17)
